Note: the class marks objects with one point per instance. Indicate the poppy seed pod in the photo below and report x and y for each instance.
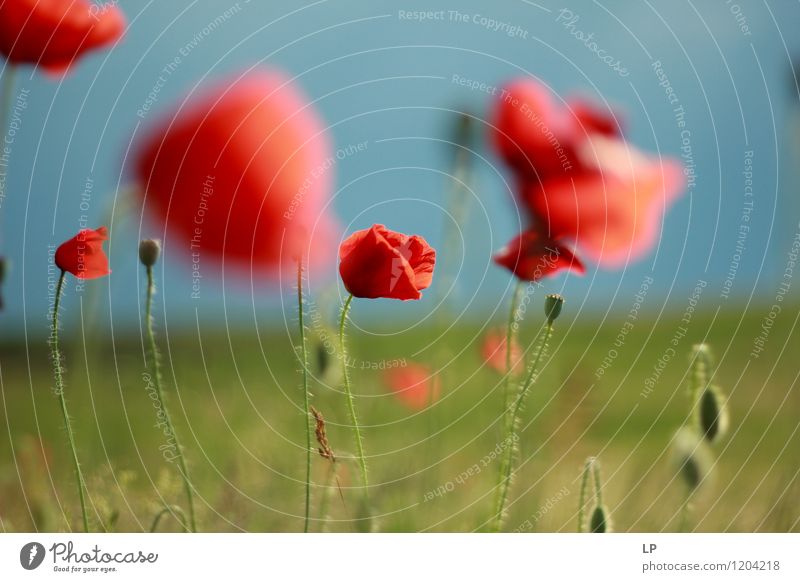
(692, 458)
(599, 521)
(149, 251)
(552, 307)
(712, 414)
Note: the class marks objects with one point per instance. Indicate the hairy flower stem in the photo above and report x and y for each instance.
(511, 332)
(587, 468)
(156, 370)
(507, 464)
(351, 405)
(58, 372)
(303, 356)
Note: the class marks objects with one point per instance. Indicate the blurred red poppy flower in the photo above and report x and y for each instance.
(83, 254)
(531, 132)
(242, 172)
(613, 210)
(54, 33)
(414, 385)
(532, 256)
(493, 351)
(378, 262)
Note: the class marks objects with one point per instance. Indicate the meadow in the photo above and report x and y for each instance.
(238, 407)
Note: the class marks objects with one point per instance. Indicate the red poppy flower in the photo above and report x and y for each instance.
(532, 256)
(241, 173)
(493, 351)
(613, 210)
(532, 133)
(378, 262)
(83, 255)
(414, 385)
(53, 33)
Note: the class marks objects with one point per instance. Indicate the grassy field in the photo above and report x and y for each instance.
(238, 401)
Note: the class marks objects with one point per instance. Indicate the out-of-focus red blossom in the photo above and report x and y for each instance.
(243, 171)
(592, 120)
(579, 181)
(54, 33)
(83, 254)
(378, 262)
(532, 133)
(612, 210)
(493, 351)
(532, 256)
(414, 385)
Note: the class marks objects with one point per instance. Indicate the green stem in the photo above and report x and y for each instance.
(510, 338)
(8, 94)
(325, 499)
(306, 395)
(59, 377)
(362, 461)
(156, 368)
(582, 498)
(686, 509)
(180, 517)
(507, 465)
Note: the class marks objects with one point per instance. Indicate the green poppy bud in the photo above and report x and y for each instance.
(552, 307)
(149, 251)
(712, 414)
(692, 458)
(599, 521)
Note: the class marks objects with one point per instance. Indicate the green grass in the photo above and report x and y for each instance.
(238, 408)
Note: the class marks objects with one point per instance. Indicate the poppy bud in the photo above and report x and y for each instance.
(712, 414)
(552, 307)
(149, 251)
(599, 521)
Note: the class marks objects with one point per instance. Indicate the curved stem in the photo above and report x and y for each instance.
(362, 461)
(582, 497)
(156, 368)
(306, 395)
(507, 466)
(180, 517)
(58, 371)
(8, 93)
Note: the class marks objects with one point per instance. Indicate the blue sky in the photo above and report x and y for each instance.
(381, 76)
